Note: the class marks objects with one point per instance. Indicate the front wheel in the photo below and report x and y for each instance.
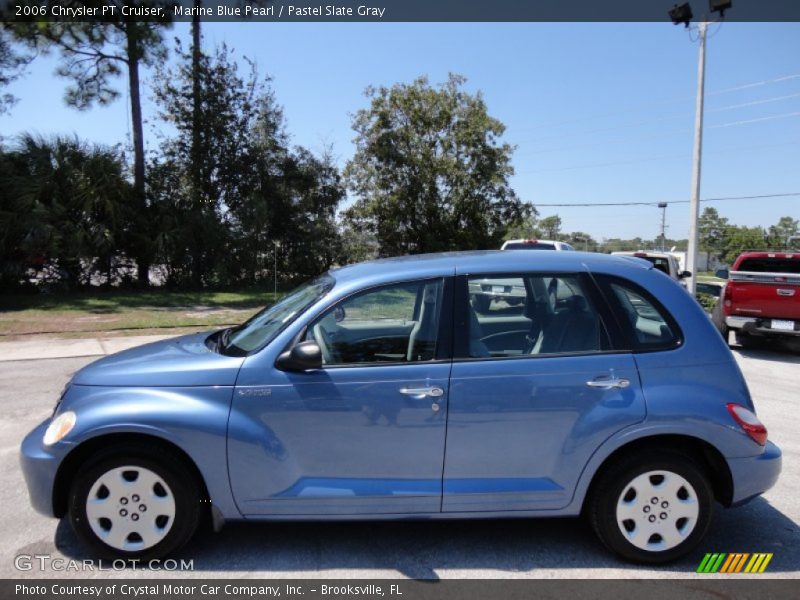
(130, 504)
(652, 508)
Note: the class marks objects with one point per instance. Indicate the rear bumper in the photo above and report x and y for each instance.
(754, 475)
(760, 326)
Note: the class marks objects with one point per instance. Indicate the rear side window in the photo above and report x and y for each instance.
(770, 265)
(649, 325)
(532, 315)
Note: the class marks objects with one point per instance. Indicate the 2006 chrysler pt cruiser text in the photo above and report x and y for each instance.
(379, 391)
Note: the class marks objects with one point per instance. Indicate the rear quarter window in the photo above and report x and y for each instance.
(644, 320)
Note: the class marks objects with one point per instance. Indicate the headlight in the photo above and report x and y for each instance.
(59, 428)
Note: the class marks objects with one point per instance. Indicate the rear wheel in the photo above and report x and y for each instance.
(652, 508)
(745, 340)
(130, 504)
(718, 318)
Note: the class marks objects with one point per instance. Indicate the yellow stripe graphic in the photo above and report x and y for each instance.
(765, 563)
(753, 560)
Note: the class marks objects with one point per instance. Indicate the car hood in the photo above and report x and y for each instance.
(180, 361)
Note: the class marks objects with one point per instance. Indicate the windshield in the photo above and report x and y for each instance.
(262, 328)
(529, 246)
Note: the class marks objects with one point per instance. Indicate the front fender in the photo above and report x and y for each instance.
(195, 419)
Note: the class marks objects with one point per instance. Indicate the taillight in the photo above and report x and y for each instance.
(748, 421)
(727, 297)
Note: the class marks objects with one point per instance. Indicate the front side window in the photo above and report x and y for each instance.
(392, 324)
(531, 315)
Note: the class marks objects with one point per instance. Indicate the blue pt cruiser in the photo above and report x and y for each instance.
(383, 391)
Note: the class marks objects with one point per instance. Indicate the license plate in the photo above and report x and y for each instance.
(498, 289)
(783, 325)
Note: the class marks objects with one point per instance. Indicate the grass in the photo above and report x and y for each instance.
(151, 311)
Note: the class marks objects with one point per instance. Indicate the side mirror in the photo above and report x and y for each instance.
(684, 274)
(721, 273)
(305, 356)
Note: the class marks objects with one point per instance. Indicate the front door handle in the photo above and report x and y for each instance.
(422, 392)
(607, 384)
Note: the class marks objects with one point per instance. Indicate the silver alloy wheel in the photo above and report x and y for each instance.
(130, 508)
(657, 510)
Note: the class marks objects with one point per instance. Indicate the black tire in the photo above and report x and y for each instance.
(745, 340)
(718, 318)
(184, 487)
(613, 481)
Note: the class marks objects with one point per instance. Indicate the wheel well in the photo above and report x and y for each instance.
(77, 457)
(707, 456)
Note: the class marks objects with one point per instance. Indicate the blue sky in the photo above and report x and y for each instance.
(599, 112)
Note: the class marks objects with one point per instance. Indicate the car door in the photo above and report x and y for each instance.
(523, 421)
(364, 434)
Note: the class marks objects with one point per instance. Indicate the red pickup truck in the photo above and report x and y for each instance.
(761, 298)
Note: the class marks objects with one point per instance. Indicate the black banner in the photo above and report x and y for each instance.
(390, 10)
(376, 589)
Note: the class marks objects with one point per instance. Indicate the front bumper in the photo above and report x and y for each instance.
(40, 465)
(759, 326)
(754, 475)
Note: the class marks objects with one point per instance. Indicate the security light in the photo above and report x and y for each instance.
(719, 6)
(682, 14)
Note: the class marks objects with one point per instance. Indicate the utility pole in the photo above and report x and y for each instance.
(663, 207)
(694, 206)
(274, 271)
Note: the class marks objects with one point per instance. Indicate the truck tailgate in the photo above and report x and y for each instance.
(775, 295)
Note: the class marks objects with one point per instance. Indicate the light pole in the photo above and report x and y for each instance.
(683, 15)
(663, 207)
(694, 205)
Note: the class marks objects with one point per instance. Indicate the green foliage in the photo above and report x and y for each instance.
(240, 201)
(63, 211)
(12, 63)
(429, 172)
(740, 239)
(781, 234)
(707, 301)
(713, 231)
(550, 227)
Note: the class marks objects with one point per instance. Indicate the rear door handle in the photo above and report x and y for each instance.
(607, 384)
(422, 392)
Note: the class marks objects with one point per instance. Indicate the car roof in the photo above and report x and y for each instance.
(421, 266)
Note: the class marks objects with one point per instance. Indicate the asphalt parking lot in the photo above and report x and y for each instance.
(547, 548)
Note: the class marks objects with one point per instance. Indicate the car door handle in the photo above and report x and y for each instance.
(422, 392)
(607, 384)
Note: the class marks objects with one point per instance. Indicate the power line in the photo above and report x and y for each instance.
(755, 84)
(660, 135)
(662, 119)
(656, 203)
(652, 158)
(758, 120)
(754, 103)
(649, 106)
